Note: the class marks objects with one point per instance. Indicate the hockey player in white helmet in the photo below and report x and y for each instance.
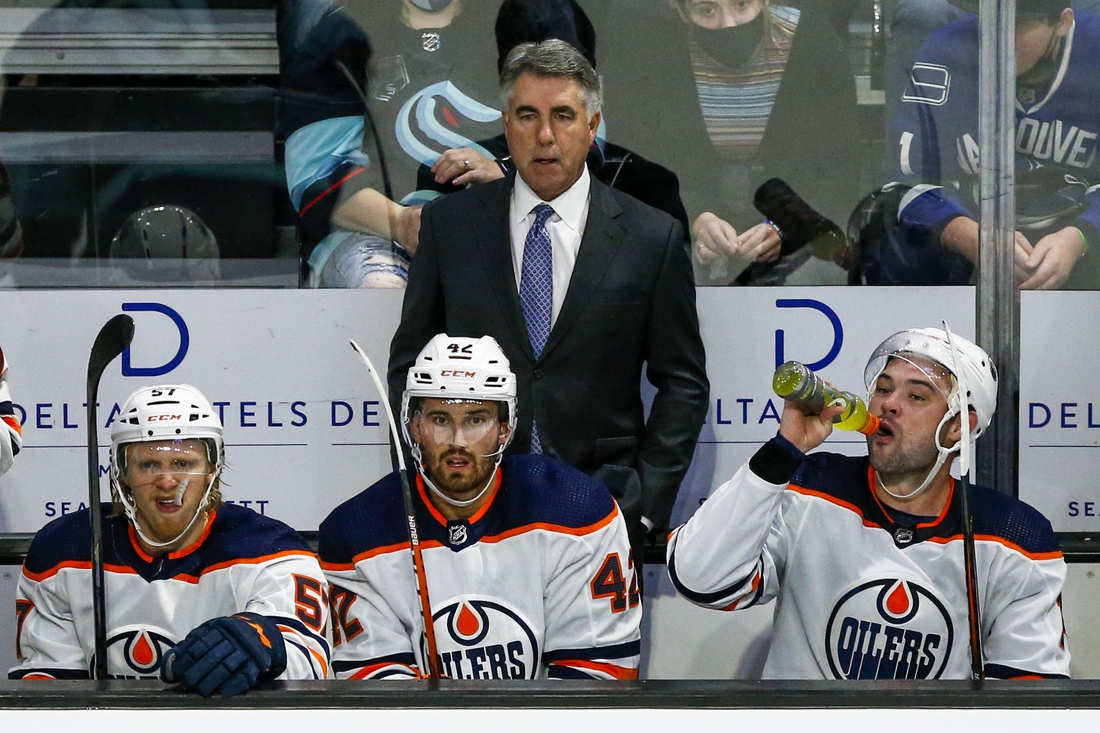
(527, 559)
(865, 555)
(210, 595)
(11, 433)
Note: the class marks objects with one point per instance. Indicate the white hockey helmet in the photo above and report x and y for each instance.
(462, 369)
(974, 368)
(168, 412)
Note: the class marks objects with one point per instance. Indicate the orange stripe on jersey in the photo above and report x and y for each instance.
(38, 676)
(613, 670)
(886, 512)
(560, 529)
(242, 561)
(13, 423)
(320, 658)
(197, 543)
(752, 591)
(431, 544)
(383, 550)
(1055, 555)
(372, 668)
(77, 564)
(832, 500)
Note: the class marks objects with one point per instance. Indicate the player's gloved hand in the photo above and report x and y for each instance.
(227, 655)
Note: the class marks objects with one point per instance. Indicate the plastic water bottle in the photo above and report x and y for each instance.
(795, 382)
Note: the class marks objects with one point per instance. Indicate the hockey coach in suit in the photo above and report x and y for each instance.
(580, 284)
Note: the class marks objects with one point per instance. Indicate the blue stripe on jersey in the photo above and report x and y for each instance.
(534, 489)
(306, 654)
(56, 672)
(301, 628)
(707, 598)
(558, 672)
(237, 534)
(1002, 672)
(613, 651)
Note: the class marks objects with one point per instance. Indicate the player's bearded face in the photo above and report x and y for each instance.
(458, 440)
(910, 401)
(167, 479)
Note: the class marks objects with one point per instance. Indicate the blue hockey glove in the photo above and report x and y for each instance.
(227, 655)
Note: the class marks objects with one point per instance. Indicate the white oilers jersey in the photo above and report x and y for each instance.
(11, 439)
(243, 562)
(861, 596)
(539, 583)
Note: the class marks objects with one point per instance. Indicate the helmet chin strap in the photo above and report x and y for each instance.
(130, 509)
(417, 456)
(943, 454)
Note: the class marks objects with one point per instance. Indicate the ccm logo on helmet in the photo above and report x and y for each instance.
(457, 373)
(888, 629)
(154, 418)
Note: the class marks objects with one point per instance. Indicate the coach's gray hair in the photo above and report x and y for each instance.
(552, 57)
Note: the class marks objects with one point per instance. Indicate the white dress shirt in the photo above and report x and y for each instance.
(565, 226)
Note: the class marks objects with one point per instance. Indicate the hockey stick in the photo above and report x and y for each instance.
(111, 341)
(410, 524)
(973, 607)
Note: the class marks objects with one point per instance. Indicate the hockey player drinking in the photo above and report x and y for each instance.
(527, 560)
(865, 555)
(213, 596)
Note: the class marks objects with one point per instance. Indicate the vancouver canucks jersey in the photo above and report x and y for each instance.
(934, 131)
(538, 583)
(861, 592)
(242, 562)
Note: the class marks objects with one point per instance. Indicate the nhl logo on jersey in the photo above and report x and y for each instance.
(484, 639)
(430, 42)
(457, 534)
(889, 628)
(903, 536)
(136, 651)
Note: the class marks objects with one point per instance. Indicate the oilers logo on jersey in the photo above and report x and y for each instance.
(137, 647)
(482, 639)
(889, 628)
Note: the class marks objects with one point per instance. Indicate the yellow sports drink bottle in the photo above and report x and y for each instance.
(795, 382)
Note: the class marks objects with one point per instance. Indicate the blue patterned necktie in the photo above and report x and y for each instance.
(536, 290)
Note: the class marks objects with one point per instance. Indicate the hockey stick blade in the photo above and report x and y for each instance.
(111, 341)
(411, 525)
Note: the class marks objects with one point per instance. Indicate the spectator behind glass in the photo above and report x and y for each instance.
(430, 78)
(932, 237)
(745, 92)
(534, 21)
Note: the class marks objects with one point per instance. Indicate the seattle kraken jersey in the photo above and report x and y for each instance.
(861, 595)
(242, 562)
(11, 438)
(934, 129)
(538, 583)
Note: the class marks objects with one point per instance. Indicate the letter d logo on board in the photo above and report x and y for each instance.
(128, 370)
(834, 321)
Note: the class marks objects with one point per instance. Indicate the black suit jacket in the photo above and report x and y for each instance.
(631, 301)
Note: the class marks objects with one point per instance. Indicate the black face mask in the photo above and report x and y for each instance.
(734, 45)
